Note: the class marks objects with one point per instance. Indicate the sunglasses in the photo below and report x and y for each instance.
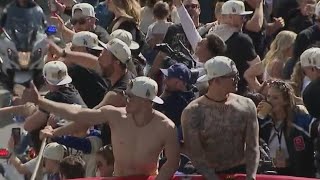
(233, 77)
(81, 21)
(191, 6)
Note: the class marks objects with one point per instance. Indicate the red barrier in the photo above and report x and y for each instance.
(196, 177)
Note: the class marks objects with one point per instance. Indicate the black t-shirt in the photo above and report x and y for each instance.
(259, 39)
(66, 94)
(309, 37)
(91, 86)
(102, 34)
(299, 22)
(241, 50)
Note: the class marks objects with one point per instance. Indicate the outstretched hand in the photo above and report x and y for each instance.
(31, 94)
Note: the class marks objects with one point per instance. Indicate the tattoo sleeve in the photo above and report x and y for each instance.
(252, 142)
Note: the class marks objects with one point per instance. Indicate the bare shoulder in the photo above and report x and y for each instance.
(164, 120)
(112, 113)
(193, 104)
(243, 101)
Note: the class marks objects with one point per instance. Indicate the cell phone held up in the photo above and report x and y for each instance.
(16, 135)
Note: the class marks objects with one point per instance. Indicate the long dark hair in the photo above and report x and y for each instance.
(287, 94)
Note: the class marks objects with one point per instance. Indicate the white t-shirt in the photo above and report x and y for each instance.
(31, 166)
(160, 27)
(146, 18)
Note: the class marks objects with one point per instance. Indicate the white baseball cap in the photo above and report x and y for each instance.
(145, 87)
(310, 58)
(54, 151)
(317, 9)
(56, 73)
(86, 39)
(119, 49)
(126, 37)
(218, 66)
(86, 8)
(234, 7)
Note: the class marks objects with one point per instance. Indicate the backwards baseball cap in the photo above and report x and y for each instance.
(146, 88)
(126, 37)
(310, 58)
(119, 49)
(234, 7)
(218, 66)
(56, 73)
(86, 10)
(179, 71)
(86, 39)
(54, 151)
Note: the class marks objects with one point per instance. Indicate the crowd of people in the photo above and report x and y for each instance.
(148, 88)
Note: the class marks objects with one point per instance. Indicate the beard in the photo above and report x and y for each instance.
(107, 71)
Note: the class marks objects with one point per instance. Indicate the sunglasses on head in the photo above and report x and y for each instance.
(192, 6)
(233, 77)
(81, 21)
(279, 84)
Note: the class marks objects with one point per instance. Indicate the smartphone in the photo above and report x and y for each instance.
(16, 135)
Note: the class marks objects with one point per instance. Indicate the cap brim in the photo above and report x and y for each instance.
(66, 80)
(246, 13)
(134, 45)
(104, 45)
(157, 100)
(203, 78)
(98, 48)
(164, 72)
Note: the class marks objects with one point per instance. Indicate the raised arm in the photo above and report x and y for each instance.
(68, 111)
(252, 142)
(187, 24)
(85, 60)
(192, 119)
(256, 22)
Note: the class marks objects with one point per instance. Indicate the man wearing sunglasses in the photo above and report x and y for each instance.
(83, 19)
(139, 133)
(220, 129)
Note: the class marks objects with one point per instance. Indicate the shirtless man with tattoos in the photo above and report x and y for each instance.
(139, 133)
(220, 129)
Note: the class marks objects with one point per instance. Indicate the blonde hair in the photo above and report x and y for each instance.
(297, 79)
(280, 44)
(129, 8)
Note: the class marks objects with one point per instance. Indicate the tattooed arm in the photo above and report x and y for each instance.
(252, 142)
(192, 120)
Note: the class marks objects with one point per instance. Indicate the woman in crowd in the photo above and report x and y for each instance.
(127, 17)
(284, 126)
(280, 51)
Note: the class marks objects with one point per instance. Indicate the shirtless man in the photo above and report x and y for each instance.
(220, 129)
(139, 133)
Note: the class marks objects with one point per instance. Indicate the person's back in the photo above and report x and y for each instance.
(241, 50)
